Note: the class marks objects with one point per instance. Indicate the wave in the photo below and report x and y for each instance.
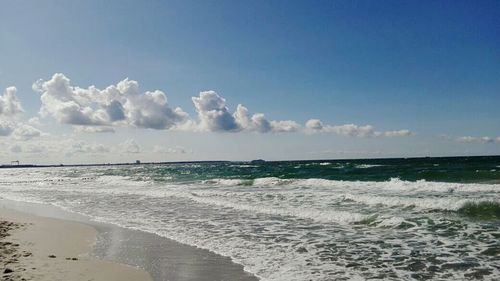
(302, 213)
(394, 184)
(408, 202)
(480, 210)
(466, 207)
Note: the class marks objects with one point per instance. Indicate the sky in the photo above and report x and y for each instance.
(119, 81)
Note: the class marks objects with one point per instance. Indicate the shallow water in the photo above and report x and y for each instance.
(394, 219)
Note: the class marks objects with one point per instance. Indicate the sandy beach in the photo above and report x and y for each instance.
(88, 250)
(37, 248)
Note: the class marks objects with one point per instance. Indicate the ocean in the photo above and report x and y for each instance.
(387, 219)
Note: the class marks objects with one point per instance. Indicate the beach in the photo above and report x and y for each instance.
(43, 242)
(36, 248)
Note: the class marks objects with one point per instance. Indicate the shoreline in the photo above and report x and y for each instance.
(38, 248)
(160, 257)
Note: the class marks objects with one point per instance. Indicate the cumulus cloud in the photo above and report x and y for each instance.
(9, 104)
(351, 130)
(314, 125)
(26, 132)
(122, 104)
(95, 110)
(10, 124)
(19, 131)
(213, 113)
(214, 116)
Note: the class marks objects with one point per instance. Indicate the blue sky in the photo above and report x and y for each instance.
(429, 67)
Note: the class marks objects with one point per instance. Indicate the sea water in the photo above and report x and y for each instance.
(389, 219)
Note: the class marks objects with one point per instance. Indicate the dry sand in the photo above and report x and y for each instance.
(37, 248)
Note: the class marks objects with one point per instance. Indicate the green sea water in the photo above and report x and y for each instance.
(373, 219)
(478, 169)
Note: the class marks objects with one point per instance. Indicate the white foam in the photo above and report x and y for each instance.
(394, 184)
(303, 213)
(278, 229)
(224, 182)
(367, 166)
(391, 222)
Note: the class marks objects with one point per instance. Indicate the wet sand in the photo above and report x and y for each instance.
(36, 248)
(163, 258)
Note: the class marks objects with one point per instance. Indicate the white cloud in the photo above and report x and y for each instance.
(84, 147)
(34, 121)
(36, 149)
(213, 113)
(6, 128)
(399, 133)
(10, 123)
(52, 145)
(90, 129)
(16, 148)
(485, 139)
(117, 105)
(93, 110)
(466, 139)
(242, 117)
(351, 130)
(18, 130)
(259, 123)
(214, 116)
(314, 125)
(9, 104)
(28, 148)
(25, 132)
(170, 150)
(130, 146)
(151, 110)
(285, 126)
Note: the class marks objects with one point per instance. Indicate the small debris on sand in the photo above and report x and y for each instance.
(10, 252)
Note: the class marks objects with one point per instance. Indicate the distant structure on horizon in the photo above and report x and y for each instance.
(137, 161)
